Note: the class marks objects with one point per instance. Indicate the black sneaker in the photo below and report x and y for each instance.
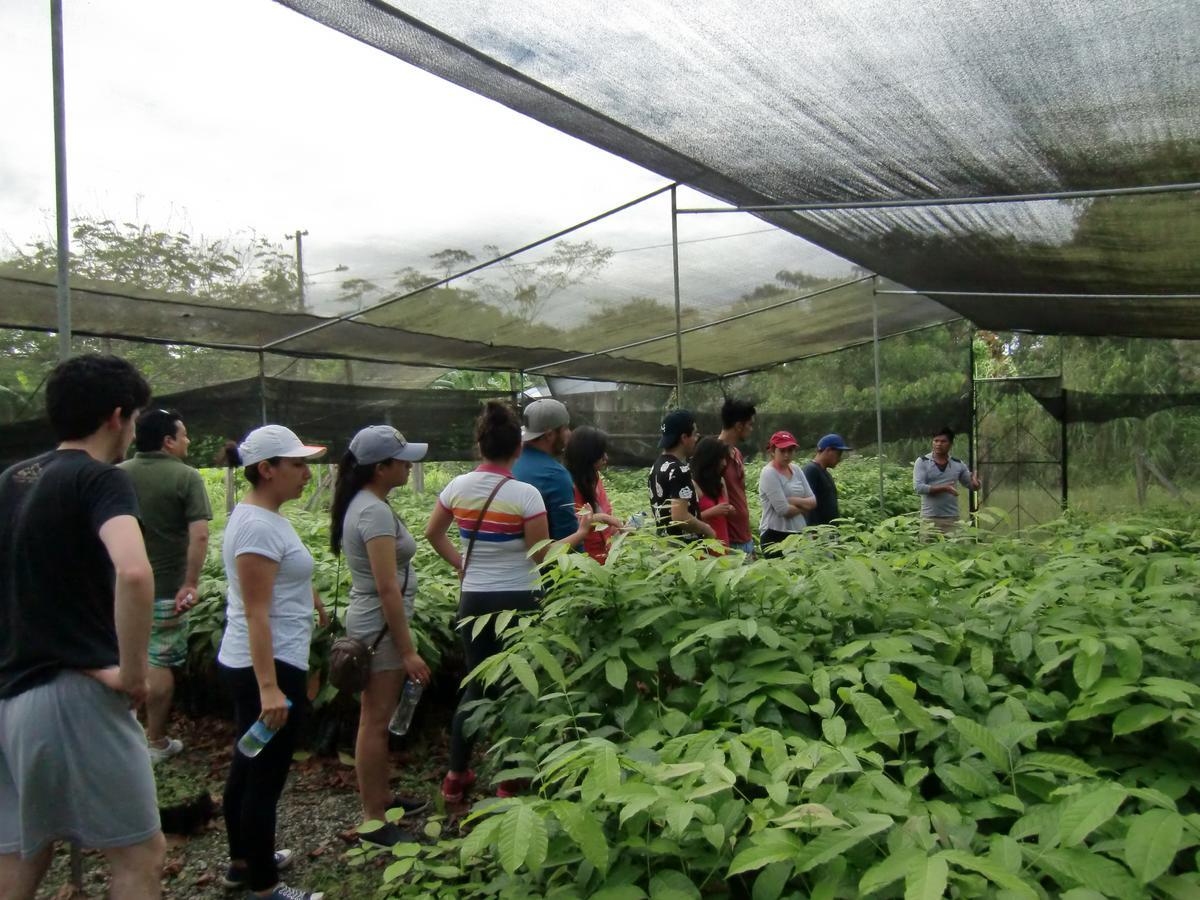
(283, 892)
(387, 836)
(236, 878)
(411, 805)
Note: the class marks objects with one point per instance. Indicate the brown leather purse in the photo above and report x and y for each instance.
(350, 658)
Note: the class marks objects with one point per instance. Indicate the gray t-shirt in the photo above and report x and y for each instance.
(367, 518)
(927, 473)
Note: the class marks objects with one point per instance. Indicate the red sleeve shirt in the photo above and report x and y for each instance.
(737, 522)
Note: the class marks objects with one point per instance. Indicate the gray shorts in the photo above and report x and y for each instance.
(366, 625)
(73, 765)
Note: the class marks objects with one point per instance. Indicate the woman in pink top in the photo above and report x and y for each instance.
(586, 455)
(708, 468)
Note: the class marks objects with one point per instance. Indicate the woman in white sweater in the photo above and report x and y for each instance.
(784, 492)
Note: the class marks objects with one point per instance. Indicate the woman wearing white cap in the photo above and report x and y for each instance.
(379, 551)
(264, 652)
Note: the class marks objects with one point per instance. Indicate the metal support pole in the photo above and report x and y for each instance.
(878, 398)
(63, 252)
(262, 387)
(299, 235)
(678, 313)
(972, 499)
(1062, 353)
(63, 221)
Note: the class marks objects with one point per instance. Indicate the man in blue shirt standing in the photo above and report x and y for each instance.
(545, 432)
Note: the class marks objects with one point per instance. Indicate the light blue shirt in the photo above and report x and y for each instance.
(927, 474)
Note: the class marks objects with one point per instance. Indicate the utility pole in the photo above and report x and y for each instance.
(299, 235)
(62, 219)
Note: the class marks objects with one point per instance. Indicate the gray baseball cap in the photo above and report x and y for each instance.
(542, 416)
(270, 441)
(376, 443)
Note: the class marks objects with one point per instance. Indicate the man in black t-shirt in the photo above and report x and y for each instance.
(672, 494)
(76, 600)
(829, 453)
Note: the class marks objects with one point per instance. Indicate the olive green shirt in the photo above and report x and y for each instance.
(171, 495)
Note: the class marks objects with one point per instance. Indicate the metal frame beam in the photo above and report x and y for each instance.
(388, 301)
(902, 202)
(1040, 296)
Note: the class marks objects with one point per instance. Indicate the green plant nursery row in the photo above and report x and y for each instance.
(873, 715)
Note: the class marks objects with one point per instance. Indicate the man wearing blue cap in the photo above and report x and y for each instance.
(829, 453)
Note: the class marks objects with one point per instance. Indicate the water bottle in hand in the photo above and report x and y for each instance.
(257, 736)
(409, 698)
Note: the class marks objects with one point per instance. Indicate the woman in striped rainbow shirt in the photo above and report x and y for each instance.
(498, 572)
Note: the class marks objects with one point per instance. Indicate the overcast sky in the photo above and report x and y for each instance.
(217, 116)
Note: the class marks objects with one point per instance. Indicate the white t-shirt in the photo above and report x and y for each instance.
(252, 529)
(774, 488)
(498, 561)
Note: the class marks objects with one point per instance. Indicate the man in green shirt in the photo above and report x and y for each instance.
(174, 516)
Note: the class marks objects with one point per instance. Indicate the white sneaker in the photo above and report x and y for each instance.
(158, 754)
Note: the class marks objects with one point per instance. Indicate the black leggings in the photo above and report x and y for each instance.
(254, 785)
(769, 541)
(477, 603)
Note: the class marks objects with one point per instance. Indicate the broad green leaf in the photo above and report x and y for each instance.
(1021, 645)
(1129, 656)
(834, 730)
(896, 689)
(832, 844)
(714, 834)
(771, 881)
(524, 672)
(620, 892)
(1075, 866)
(952, 685)
(981, 660)
(984, 740)
(996, 874)
(516, 832)
(1088, 811)
(1136, 718)
(548, 663)
(538, 843)
(889, 871)
(1055, 762)
(480, 838)
(584, 829)
(878, 720)
(926, 879)
(1151, 843)
(1087, 668)
(616, 673)
(820, 682)
(758, 856)
(1006, 852)
(672, 885)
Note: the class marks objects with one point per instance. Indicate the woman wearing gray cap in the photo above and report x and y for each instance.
(379, 551)
(264, 652)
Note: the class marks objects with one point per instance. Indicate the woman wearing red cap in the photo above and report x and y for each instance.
(784, 492)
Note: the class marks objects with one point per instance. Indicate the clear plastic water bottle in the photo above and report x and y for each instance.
(409, 698)
(256, 737)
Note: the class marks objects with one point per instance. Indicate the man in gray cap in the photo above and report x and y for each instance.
(545, 432)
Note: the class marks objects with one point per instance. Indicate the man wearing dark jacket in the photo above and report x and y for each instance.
(829, 453)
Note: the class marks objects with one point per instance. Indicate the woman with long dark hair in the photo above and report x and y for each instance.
(708, 463)
(585, 457)
(499, 520)
(264, 652)
(379, 551)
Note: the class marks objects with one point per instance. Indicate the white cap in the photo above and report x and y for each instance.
(375, 443)
(270, 441)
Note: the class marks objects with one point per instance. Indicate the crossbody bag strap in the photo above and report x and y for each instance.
(479, 522)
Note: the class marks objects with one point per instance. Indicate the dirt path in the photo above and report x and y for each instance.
(317, 816)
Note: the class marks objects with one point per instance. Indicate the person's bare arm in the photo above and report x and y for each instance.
(381, 552)
(682, 515)
(440, 521)
(197, 550)
(256, 574)
(133, 609)
(537, 529)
